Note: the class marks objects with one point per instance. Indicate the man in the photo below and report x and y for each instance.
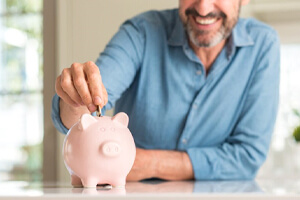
(199, 84)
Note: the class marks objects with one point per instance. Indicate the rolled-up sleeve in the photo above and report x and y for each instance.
(55, 115)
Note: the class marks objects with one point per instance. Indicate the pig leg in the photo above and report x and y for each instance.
(89, 182)
(76, 181)
(118, 183)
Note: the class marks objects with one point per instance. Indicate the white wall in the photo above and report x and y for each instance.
(282, 15)
(85, 26)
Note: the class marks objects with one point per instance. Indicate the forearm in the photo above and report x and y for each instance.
(70, 115)
(172, 165)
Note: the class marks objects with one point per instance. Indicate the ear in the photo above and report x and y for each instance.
(85, 121)
(244, 2)
(121, 118)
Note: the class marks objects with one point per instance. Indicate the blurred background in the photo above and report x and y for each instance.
(38, 38)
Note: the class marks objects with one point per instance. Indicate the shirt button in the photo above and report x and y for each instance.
(184, 141)
(198, 72)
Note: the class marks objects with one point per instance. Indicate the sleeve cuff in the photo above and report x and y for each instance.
(202, 167)
(55, 115)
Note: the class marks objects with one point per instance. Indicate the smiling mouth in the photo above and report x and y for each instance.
(205, 21)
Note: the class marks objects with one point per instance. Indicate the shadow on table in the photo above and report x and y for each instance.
(160, 186)
(100, 190)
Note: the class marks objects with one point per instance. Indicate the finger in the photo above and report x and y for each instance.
(95, 82)
(105, 96)
(64, 96)
(67, 85)
(81, 86)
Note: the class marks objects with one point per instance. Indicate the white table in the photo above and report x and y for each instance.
(225, 190)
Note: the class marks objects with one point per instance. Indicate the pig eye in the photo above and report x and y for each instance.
(112, 129)
(102, 129)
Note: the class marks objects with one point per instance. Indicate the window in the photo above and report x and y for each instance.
(289, 95)
(21, 85)
(283, 159)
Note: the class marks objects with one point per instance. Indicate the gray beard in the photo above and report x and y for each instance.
(222, 33)
(216, 39)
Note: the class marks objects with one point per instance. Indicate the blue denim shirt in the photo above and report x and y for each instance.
(223, 119)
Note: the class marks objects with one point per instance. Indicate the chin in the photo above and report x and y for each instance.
(208, 42)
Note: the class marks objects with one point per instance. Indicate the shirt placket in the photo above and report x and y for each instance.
(199, 78)
(200, 82)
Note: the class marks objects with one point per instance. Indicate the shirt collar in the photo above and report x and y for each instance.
(178, 36)
(239, 36)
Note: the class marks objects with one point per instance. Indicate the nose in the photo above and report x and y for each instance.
(111, 149)
(204, 7)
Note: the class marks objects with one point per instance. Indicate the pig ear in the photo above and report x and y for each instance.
(85, 121)
(121, 118)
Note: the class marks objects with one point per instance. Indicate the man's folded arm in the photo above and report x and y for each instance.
(241, 155)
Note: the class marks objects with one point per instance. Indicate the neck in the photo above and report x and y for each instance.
(208, 55)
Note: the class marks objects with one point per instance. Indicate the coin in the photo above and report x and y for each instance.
(98, 111)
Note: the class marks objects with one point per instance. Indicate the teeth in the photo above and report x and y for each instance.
(205, 21)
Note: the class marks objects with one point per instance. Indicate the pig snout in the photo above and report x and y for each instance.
(111, 149)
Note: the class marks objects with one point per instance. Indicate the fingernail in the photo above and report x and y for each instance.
(97, 100)
(92, 107)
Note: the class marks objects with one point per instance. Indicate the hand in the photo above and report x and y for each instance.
(81, 85)
(163, 164)
(143, 167)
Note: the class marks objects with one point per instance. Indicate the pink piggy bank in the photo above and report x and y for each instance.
(99, 150)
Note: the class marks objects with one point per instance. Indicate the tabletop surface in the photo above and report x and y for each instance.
(157, 189)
